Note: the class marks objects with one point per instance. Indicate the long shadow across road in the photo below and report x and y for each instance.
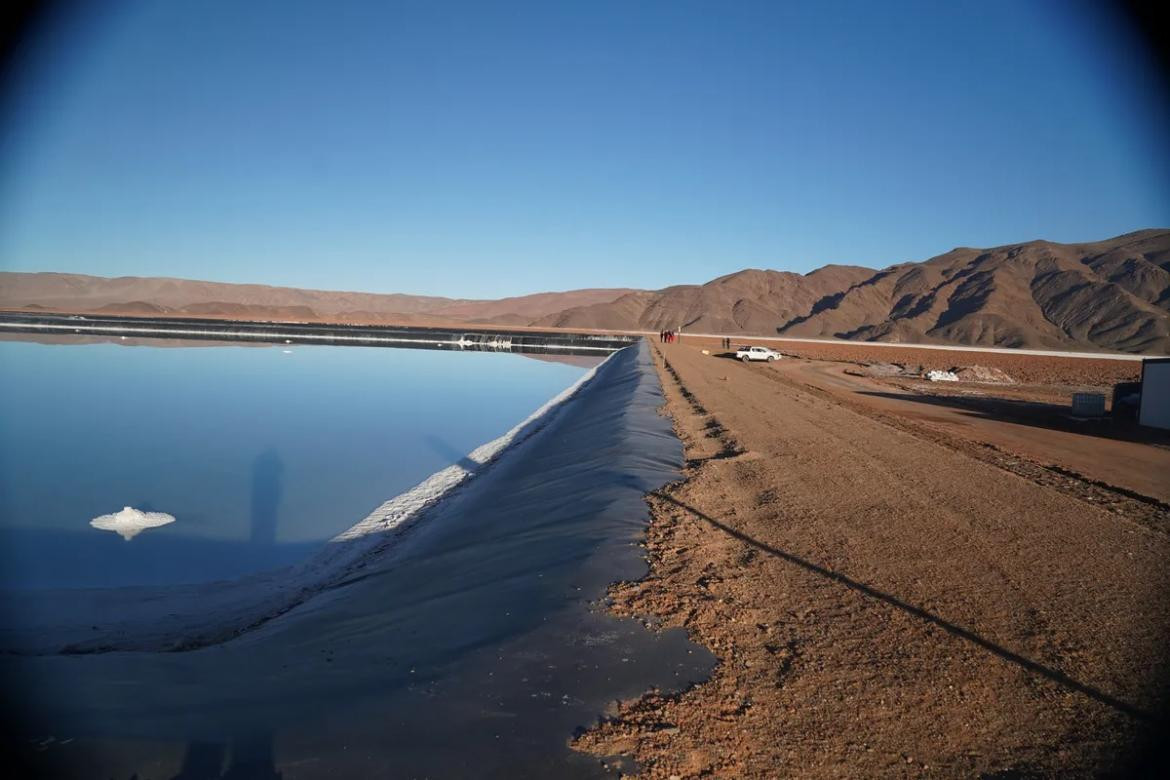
(1054, 675)
(1032, 413)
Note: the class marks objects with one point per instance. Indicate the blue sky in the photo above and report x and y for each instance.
(484, 149)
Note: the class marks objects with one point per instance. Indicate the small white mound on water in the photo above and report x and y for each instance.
(183, 617)
(130, 522)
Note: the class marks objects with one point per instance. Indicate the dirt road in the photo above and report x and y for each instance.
(1053, 368)
(1118, 454)
(884, 603)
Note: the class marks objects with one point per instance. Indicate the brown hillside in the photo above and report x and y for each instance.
(525, 308)
(1106, 295)
(750, 301)
(153, 295)
(1111, 295)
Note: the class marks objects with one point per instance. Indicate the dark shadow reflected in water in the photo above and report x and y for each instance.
(283, 448)
(201, 761)
(476, 647)
(452, 455)
(248, 758)
(267, 469)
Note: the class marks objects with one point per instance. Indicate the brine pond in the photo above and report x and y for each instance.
(260, 453)
(254, 635)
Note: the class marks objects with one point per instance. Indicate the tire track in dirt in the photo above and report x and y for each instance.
(820, 673)
(1146, 511)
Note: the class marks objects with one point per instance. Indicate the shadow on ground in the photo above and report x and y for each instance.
(1053, 675)
(1040, 415)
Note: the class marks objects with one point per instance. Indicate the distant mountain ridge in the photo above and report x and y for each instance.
(1111, 295)
(148, 295)
(1105, 295)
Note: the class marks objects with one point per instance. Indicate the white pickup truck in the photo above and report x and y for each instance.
(757, 353)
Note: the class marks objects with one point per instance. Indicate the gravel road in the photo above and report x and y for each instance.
(884, 603)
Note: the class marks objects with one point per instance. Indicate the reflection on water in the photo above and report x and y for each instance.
(266, 473)
(472, 647)
(261, 454)
(249, 758)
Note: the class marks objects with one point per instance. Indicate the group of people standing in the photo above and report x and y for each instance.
(671, 336)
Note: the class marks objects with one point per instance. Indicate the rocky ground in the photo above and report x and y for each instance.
(1026, 369)
(893, 592)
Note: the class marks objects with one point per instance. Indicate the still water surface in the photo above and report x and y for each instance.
(260, 453)
(473, 646)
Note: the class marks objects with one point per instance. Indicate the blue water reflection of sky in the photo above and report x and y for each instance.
(261, 453)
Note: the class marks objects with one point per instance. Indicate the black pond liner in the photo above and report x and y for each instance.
(477, 646)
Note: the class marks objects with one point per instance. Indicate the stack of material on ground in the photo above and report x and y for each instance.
(882, 370)
(1088, 404)
(985, 374)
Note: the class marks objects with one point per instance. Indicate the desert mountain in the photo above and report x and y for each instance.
(751, 301)
(1110, 295)
(146, 296)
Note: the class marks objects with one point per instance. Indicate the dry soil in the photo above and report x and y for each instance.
(888, 597)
